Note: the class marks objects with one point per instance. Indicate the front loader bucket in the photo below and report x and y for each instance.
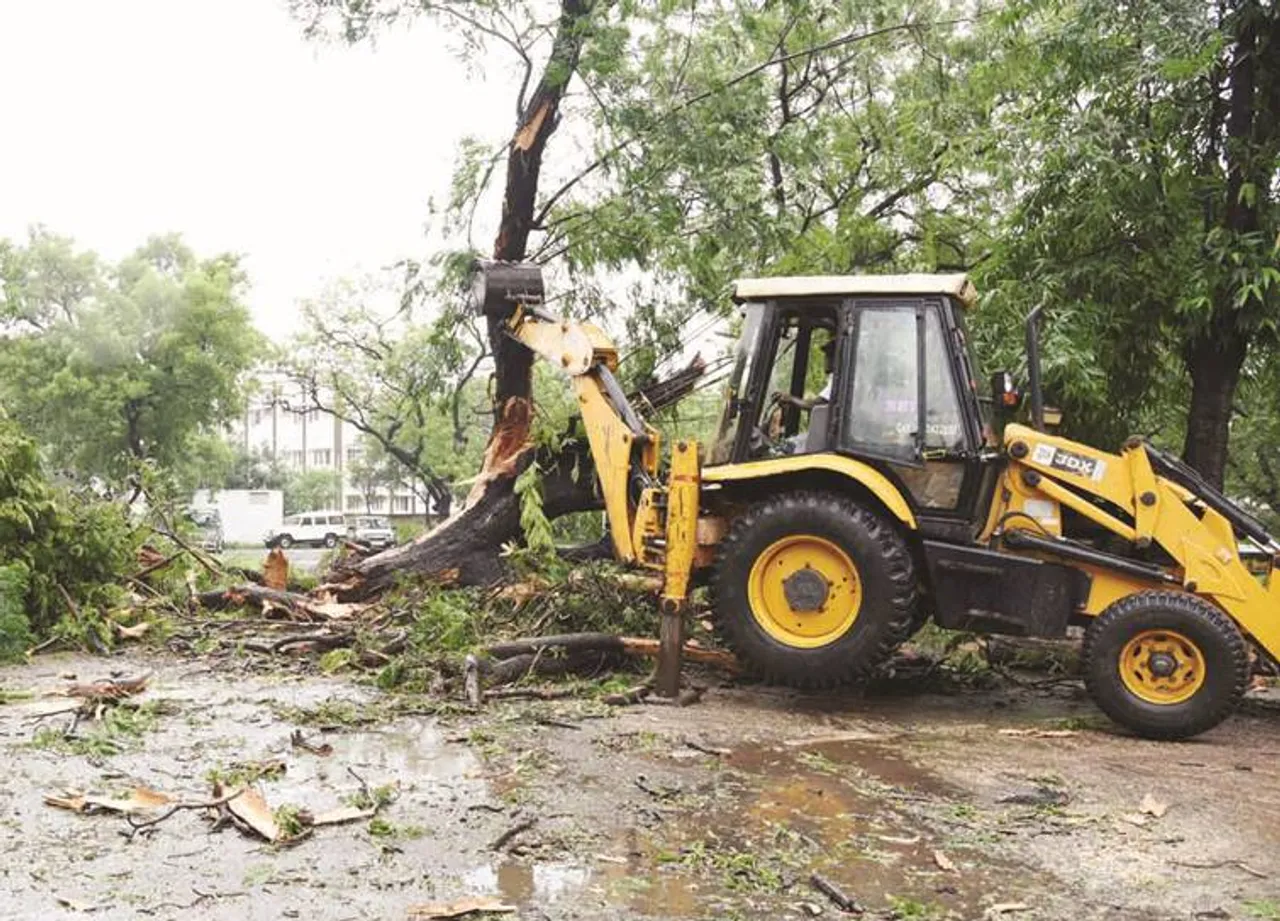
(498, 288)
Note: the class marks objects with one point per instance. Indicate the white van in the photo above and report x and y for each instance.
(314, 528)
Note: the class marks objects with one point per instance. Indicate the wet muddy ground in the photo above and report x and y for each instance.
(1009, 803)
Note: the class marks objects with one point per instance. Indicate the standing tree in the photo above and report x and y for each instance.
(1147, 137)
(114, 369)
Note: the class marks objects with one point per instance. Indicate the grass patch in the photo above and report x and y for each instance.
(382, 828)
(118, 730)
(245, 773)
(737, 870)
(906, 909)
(1263, 909)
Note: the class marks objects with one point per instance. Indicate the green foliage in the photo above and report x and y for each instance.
(406, 384)
(312, 490)
(119, 729)
(110, 367)
(60, 553)
(15, 631)
(533, 520)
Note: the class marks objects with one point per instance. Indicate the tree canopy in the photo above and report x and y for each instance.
(115, 366)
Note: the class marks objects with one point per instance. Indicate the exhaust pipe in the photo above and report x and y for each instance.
(498, 288)
(1033, 368)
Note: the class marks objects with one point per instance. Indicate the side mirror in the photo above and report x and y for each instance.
(1004, 392)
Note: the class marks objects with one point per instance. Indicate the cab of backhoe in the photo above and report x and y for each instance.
(876, 368)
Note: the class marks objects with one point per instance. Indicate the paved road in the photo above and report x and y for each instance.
(303, 559)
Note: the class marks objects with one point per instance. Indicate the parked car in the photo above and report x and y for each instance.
(208, 524)
(373, 531)
(317, 529)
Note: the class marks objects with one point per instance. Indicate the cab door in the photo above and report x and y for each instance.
(905, 409)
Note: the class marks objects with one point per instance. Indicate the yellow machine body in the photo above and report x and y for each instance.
(1199, 540)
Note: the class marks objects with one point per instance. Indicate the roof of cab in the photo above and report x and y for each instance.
(754, 289)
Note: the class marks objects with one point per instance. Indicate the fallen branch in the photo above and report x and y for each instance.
(577, 662)
(137, 825)
(630, 696)
(471, 681)
(1218, 864)
(503, 839)
(835, 894)
(528, 693)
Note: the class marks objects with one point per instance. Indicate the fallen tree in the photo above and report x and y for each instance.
(465, 549)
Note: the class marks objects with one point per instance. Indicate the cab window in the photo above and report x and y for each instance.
(305, 522)
(882, 414)
(795, 414)
(943, 427)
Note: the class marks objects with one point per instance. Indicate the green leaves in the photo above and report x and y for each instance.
(110, 366)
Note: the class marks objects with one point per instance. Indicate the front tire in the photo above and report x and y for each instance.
(813, 590)
(331, 540)
(284, 541)
(1166, 665)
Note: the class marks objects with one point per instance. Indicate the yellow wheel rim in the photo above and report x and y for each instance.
(804, 591)
(1162, 667)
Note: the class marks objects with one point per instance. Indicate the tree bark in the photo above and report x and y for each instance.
(464, 550)
(1215, 354)
(513, 380)
(1214, 362)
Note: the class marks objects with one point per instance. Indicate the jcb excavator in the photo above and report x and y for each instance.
(855, 489)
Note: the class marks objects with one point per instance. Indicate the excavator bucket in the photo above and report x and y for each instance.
(498, 288)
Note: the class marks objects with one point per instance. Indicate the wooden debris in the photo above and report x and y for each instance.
(275, 570)
(142, 799)
(339, 816)
(1006, 908)
(441, 910)
(1153, 807)
(1040, 733)
(945, 863)
(298, 740)
(506, 837)
(1218, 864)
(471, 681)
(837, 895)
(109, 690)
(249, 807)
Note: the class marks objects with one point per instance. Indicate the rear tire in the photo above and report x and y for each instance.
(1166, 665)
(331, 540)
(813, 647)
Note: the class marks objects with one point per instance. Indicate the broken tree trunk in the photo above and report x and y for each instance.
(464, 550)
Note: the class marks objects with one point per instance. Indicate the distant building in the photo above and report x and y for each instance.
(277, 426)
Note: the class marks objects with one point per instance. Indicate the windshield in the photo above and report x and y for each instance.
(747, 348)
(371, 523)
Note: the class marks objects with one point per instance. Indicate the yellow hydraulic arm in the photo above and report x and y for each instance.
(1047, 474)
(655, 526)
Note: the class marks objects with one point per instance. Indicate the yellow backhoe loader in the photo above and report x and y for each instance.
(854, 490)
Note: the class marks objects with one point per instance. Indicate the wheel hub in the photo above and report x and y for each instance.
(806, 590)
(1162, 664)
(1162, 667)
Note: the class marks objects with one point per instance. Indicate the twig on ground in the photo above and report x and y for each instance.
(835, 894)
(633, 695)
(137, 825)
(528, 693)
(559, 724)
(505, 838)
(1218, 864)
(298, 740)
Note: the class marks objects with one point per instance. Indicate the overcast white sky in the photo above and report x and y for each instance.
(214, 118)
